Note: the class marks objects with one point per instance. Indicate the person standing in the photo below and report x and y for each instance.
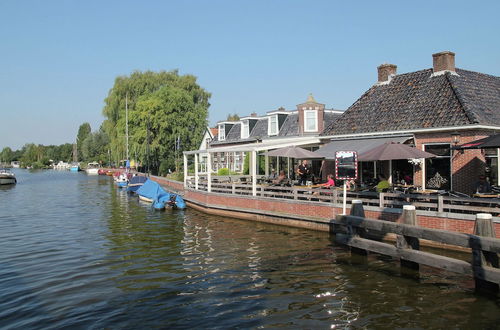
(303, 172)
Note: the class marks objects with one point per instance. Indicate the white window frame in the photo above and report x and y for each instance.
(315, 113)
(222, 132)
(245, 129)
(269, 125)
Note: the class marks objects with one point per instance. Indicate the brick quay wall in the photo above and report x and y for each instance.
(307, 214)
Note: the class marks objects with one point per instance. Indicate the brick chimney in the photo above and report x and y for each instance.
(385, 71)
(443, 61)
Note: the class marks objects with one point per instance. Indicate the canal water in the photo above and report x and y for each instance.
(76, 252)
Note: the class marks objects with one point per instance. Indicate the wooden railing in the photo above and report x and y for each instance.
(357, 232)
(430, 202)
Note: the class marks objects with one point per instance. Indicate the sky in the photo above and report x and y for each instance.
(59, 58)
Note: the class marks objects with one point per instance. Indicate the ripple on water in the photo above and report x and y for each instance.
(78, 253)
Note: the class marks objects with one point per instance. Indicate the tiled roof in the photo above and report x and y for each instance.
(420, 100)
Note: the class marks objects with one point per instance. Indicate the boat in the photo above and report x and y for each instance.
(61, 166)
(75, 167)
(135, 183)
(121, 180)
(153, 193)
(93, 168)
(7, 177)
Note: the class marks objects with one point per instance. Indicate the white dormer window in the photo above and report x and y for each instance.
(245, 129)
(310, 121)
(273, 125)
(222, 132)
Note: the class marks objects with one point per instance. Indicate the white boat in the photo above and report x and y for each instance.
(93, 168)
(7, 177)
(61, 166)
(75, 167)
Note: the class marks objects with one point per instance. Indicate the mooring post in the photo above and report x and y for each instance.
(484, 227)
(358, 211)
(409, 217)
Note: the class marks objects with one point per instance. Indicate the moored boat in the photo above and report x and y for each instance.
(135, 183)
(122, 180)
(75, 167)
(7, 177)
(92, 168)
(152, 192)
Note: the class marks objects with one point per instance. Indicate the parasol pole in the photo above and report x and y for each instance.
(344, 202)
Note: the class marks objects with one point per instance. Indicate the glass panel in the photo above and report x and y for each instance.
(438, 173)
(273, 128)
(492, 170)
(491, 151)
(438, 149)
(310, 120)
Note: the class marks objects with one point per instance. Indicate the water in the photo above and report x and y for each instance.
(78, 253)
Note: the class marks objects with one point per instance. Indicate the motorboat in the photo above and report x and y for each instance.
(7, 177)
(153, 193)
(92, 168)
(121, 180)
(61, 166)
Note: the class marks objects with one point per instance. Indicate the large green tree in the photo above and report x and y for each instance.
(6, 156)
(171, 105)
(83, 132)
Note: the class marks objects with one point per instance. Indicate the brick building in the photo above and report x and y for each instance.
(434, 110)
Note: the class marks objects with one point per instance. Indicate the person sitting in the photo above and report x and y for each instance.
(273, 176)
(329, 183)
(383, 185)
(482, 186)
(350, 185)
(280, 179)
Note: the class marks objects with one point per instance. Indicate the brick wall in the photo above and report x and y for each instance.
(466, 166)
(303, 214)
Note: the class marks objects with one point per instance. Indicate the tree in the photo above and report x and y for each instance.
(233, 117)
(6, 156)
(83, 132)
(173, 106)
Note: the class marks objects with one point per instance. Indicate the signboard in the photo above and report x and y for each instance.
(346, 165)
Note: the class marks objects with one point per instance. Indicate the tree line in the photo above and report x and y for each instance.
(167, 114)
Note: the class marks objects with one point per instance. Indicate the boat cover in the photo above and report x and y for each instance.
(152, 190)
(136, 182)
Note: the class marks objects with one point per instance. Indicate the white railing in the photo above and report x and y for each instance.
(436, 203)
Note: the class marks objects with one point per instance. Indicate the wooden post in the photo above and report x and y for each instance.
(185, 170)
(209, 172)
(409, 217)
(381, 200)
(440, 204)
(358, 211)
(357, 208)
(484, 227)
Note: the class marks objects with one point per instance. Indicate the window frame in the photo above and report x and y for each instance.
(315, 113)
(221, 132)
(269, 125)
(245, 129)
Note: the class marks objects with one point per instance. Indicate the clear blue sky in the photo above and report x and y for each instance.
(60, 58)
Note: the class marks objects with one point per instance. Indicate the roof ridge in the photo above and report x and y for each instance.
(469, 114)
(479, 73)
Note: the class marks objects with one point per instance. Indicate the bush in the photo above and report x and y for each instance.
(176, 176)
(223, 171)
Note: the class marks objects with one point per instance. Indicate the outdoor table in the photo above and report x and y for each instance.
(426, 192)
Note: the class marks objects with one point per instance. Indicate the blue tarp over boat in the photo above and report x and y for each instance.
(136, 182)
(161, 198)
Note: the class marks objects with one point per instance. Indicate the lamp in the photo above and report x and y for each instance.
(455, 137)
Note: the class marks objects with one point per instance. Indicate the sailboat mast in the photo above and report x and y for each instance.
(126, 121)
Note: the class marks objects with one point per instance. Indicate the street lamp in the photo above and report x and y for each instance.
(455, 138)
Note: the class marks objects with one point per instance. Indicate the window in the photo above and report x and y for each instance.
(222, 132)
(310, 121)
(492, 169)
(273, 125)
(438, 169)
(245, 129)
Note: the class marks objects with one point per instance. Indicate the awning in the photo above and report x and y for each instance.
(358, 145)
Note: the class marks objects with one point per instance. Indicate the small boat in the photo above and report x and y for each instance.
(93, 168)
(152, 192)
(122, 180)
(135, 183)
(75, 167)
(7, 177)
(61, 166)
